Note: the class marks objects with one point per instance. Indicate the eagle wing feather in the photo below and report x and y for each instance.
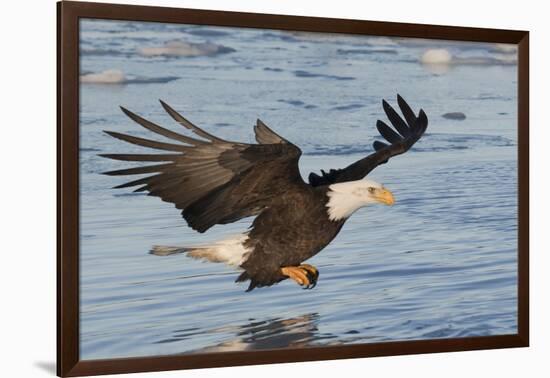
(213, 181)
(407, 132)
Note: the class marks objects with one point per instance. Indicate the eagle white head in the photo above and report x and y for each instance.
(347, 197)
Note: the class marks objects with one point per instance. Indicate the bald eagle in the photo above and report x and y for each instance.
(215, 181)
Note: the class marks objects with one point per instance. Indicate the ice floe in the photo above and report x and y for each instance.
(185, 49)
(436, 56)
(115, 76)
(505, 48)
(439, 61)
(105, 77)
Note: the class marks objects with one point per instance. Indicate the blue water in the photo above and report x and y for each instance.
(440, 263)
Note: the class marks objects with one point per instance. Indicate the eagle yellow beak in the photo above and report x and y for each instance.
(384, 196)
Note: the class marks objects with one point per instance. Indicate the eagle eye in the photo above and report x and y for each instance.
(371, 189)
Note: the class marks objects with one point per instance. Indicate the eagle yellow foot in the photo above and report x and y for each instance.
(304, 275)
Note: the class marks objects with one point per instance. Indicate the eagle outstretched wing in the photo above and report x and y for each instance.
(213, 181)
(408, 133)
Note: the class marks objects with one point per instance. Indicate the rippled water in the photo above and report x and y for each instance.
(440, 263)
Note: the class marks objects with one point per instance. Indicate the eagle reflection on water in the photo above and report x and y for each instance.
(273, 333)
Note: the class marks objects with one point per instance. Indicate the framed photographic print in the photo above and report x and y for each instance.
(305, 189)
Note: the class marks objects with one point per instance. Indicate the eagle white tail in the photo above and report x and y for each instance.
(230, 251)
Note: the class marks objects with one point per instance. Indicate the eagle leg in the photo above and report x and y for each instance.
(304, 275)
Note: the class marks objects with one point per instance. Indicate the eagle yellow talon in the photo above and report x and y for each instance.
(304, 275)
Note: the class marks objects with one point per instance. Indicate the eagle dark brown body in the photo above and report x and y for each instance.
(294, 221)
(214, 181)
